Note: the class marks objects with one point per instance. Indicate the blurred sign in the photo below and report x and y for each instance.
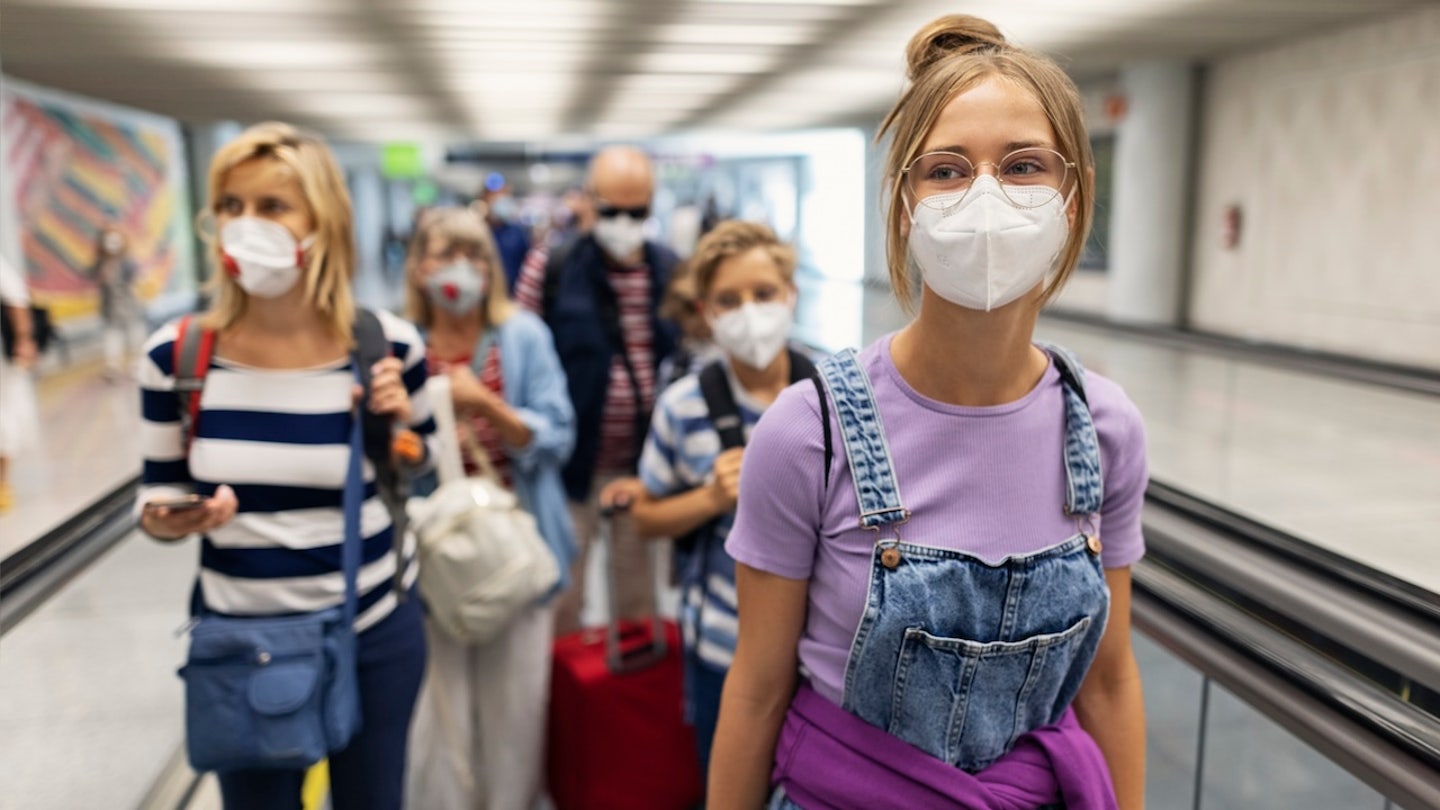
(425, 192)
(401, 161)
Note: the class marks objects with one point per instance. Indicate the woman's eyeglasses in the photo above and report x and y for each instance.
(1028, 177)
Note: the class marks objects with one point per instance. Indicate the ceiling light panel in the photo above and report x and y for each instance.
(279, 54)
(736, 34)
(667, 84)
(268, 6)
(366, 106)
(704, 61)
(820, 3)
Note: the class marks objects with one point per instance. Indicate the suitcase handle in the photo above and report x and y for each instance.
(619, 660)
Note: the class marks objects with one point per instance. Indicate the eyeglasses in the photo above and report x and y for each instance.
(1028, 177)
(608, 211)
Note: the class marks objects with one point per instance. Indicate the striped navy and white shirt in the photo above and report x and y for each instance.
(280, 439)
(679, 455)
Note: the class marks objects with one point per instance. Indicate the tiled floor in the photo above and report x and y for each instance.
(89, 444)
(89, 701)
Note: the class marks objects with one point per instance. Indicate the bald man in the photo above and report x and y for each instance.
(600, 294)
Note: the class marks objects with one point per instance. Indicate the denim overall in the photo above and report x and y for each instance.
(955, 655)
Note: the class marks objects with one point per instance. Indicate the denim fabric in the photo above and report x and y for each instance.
(1082, 445)
(370, 773)
(779, 801)
(956, 655)
(864, 435)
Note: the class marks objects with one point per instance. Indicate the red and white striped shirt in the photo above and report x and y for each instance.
(619, 446)
(485, 432)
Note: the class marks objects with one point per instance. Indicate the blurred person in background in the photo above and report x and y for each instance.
(122, 318)
(927, 616)
(574, 218)
(502, 214)
(19, 419)
(600, 296)
(269, 448)
(479, 726)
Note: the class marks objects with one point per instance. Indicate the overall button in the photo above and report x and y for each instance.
(1092, 542)
(890, 557)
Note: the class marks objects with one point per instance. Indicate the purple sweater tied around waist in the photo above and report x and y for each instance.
(829, 759)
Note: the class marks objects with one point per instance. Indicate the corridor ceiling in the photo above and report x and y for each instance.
(512, 70)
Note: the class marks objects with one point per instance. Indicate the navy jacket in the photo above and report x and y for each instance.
(575, 312)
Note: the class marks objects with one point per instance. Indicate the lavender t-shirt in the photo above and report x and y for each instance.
(986, 480)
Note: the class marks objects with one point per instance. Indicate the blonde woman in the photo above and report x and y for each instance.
(269, 449)
(927, 615)
(479, 731)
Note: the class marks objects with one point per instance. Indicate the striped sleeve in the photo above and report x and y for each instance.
(406, 344)
(165, 472)
(530, 284)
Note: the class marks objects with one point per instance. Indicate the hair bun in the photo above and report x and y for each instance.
(947, 36)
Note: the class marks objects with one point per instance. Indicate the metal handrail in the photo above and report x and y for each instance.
(1223, 599)
(1398, 376)
(36, 572)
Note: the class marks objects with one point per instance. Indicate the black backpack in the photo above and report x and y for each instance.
(725, 416)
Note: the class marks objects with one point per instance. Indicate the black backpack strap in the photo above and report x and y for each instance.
(801, 368)
(371, 346)
(720, 403)
(824, 399)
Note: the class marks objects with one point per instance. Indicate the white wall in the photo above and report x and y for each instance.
(1331, 146)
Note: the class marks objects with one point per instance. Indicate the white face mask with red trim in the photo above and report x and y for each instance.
(262, 256)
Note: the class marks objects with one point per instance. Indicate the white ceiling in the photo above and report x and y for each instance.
(512, 70)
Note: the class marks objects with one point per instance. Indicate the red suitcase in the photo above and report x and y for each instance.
(617, 738)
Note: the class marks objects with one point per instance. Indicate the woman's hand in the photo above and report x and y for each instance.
(470, 394)
(387, 390)
(165, 523)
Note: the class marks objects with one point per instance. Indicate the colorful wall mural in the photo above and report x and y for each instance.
(72, 166)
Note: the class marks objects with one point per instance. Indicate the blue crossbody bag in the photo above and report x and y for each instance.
(278, 692)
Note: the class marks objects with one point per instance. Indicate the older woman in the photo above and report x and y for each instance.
(480, 728)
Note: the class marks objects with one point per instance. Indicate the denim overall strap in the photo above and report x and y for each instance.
(1084, 482)
(868, 453)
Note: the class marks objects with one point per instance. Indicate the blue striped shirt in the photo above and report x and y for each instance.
(280, 439)
(679, 454)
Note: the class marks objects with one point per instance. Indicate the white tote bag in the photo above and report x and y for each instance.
(482, 559)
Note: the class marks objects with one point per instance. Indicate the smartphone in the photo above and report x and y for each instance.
(179, 504)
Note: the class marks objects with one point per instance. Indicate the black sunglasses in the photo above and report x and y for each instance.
(606, 211)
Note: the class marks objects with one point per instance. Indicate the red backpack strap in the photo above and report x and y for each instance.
(192, 350)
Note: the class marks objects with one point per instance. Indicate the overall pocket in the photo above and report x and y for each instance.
(966, 702)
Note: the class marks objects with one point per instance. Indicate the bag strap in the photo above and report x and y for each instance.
(720, 404)
(351, 500)
(478, 455)
(720, 400)
(824, 399)
(371, 346)
(377, 436)
(877, 493)
(192, 350)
